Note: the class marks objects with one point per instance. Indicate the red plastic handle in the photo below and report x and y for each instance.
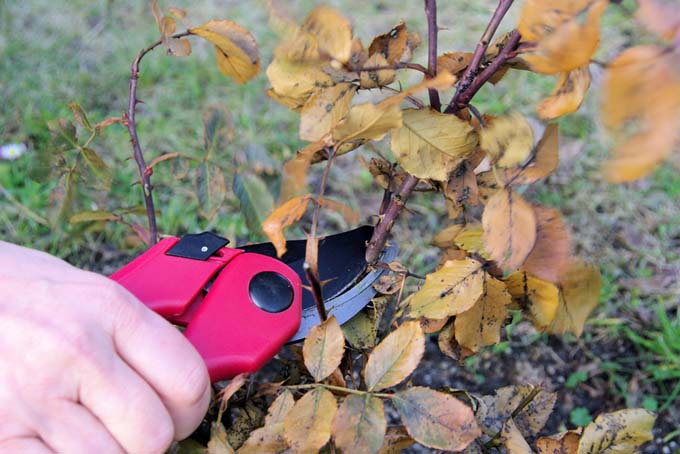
(230, 331)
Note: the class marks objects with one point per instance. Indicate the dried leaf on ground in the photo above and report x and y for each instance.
(566, 33)
(579, 293)
(539, 297)
(218, 443)
(508, 140)
(642, 84)
(552, 250)
(280, 408)
(359, 425)
(234, 385)
(544, 161)
(436, 419)
(395, 357)
(567, 96)
(617, 432)
(481, 325)
(509, 224)
(323, 348)
(430, 144)
(332, 30)
(307, 426)
(513, 440)
(390, 45)
(396, 440)
(451, 290)
(235, 48)
(496, 409)
(324, 110)
(562, 443)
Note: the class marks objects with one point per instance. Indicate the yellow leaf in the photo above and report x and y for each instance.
(283, 217)
(642, 84)
(509, 225)
(564, 41)
(280, 408)
(660, 17)
(324, 110)
(454, 62)
(332, 30)
(567, 96)
(359, 425)
(444, 239)
(553, 246)
(508, 140)
(481, 325)
(513, 440)
(539, 297)
(375, 79)
(270, 439)
(307, 426)
(367, 122)
(390, 45)
(235, 48)
(294, 104)
(562, 443)
(296, 80)
(435, 419)
(580, 290)
(621, 431)
(323, 349)
(544, 161)
(461, 187)
(430, 144)
(451, 290)
(395, 357)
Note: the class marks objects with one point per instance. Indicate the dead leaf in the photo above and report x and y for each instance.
(430, 326)
(579, 293)
(218, 443)
(390, 45)
(454, 62)
(567, 96)
(617, 432)
(436, 419)
(461, 187)
(539, 297)
(396, 440)
(470, 239)
(324, 110)
(497, 409)
(395, 357)
(509, 226)
(660, 17)
(282, 218)
(166, 26)
(269, 438)
(389, 284)
(332, 30)
(564, 41)
(359, 425)
(451, 290)
(562, 443)
(513, 440)
(294, 174)
(307, 426)
(487, 186)
(323, 348)
(430, 144)
(280, 408)
(375, 79)
(234, 385)
(552, 250)
(508, 140)
(544, 161)
(481, 325)
(235, 48)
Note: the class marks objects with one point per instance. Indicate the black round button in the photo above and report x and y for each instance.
(271, 291)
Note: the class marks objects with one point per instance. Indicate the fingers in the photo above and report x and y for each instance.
(159, 353)
(128, 407)
(75, 430)
(25, 445)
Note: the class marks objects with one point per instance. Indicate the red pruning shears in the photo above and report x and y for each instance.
(241, 305)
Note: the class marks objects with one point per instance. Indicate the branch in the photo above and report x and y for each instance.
(400, 65)
(131, 124)
(473, 68)
(432, 29)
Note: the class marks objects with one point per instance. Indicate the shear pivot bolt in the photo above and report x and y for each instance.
(204, 249)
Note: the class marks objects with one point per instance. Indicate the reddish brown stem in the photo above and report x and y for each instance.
(432, 29)
(473, 68)
(131, 124)
(400, 65)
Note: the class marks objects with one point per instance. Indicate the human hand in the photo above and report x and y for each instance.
(85, 367)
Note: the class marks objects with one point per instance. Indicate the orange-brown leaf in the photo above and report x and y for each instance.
(282, 218)
(373, 78)
(509, 226)
(294, 174)
(562, 443)
(395, 357)
(390, 45)
(544, 161)
(454, 62)
(552, 250)
(567, 96)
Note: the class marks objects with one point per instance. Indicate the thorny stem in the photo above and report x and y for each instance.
(473, 68)
(432, 29)
(339, 389)
(131, 124)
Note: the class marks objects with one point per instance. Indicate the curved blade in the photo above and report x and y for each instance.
(342, 266)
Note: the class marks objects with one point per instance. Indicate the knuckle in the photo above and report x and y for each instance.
(194, 384)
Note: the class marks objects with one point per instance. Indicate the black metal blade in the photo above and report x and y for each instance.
(342, 265)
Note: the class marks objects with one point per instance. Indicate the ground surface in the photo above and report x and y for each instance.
(52, 53)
